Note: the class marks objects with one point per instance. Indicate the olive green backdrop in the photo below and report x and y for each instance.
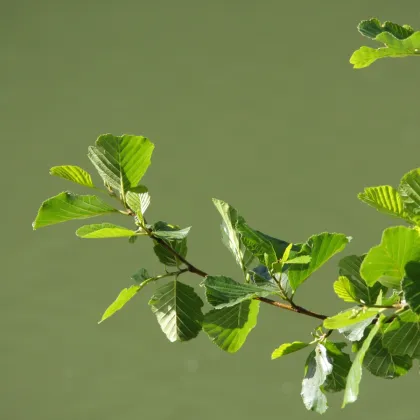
(251, 102)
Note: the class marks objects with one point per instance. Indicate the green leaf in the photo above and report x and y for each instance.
(355, 374)
(229, 327)
(372, 28)
(125, 295)
(317, 368)
(223, 291)
(301, 259)
(105, 230)
(230, 236)
(174, 234)
(138, 203)
(68, 206)
(178, 310)
(179, 245)
(356, 331)
(402, 336)
(411, 286)
(288, 348)
(320, 248)
(140, 275)
(385, 199)
(350, 286)
(394, 47)
(410, 193)
(74, 174)
(257, 244)
(380, 362)
(121, 161)
(350, 317)
(336, 380)
(385, 263)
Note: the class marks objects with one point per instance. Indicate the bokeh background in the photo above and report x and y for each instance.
(251, 102)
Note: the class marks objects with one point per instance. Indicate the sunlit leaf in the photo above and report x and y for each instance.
(121, 161)
(385, 263)
(409, 190)
(288, 348)
(355, 332)
(385, 199)
(355, 374)
(74, 174)
(68, 206)
(105, 230)
(229, 327)
(350, 317)
(320, 248)
(178, 310)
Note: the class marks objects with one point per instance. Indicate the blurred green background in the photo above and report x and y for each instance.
(251, 102)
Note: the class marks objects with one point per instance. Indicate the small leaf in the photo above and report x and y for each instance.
(380, 362)
(402, 336)
(320, 248)
(411, 286)
(121, 161)
(336, 380)
(139, 189)
(229, 327)
(125, 295)
(138, 203)
(350, 317)
(140, 275)
(105, 230)
(373, 27)
(317, 368)
(230, 236)
(356, 331)
(350, 286)
(385, 263)
(174, 234)
(74, 174)
(68, 206)
(223, 291)
(178, 310)
(385, 199)
(355, 374)
(409, 190)
(288, 348)
(394, 47)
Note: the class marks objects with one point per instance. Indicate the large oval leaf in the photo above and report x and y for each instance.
(68, 206)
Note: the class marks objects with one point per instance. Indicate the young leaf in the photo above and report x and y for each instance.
(125, 295)
(121, 161)
(336, 380)
(317, 368)
(380, 362)
(402, 336)
(172, 234)
(74, 174)
(288, 348)
(350, 317)
(138, 203)
(372, 28)
(411, 286)
(178, 310)
(140, 275)
(355, 374)
(394, 47)
(385, 263)
(230, 236)
(352, 285)
(223, 291)
(356, 331)
(105, 230)
(409, 190)
(385, 199)
(68, 206)
(320, 248)
(229, 327)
